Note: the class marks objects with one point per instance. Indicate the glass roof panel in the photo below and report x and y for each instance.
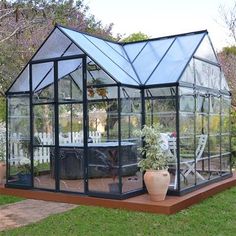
(150, 56)
(21, 84)
(101, 59)
(133, 49)
(206, 51)
(176, 59)
(118, 49)
(54, 46)
(121, 61)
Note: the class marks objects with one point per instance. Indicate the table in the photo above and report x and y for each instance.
(103, 160)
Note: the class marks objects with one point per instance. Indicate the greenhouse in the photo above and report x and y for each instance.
(73, 110)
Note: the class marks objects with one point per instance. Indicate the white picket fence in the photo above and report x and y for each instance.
(42, 154)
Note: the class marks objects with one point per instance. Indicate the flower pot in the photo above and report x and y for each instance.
(2, 172)
(157, 183)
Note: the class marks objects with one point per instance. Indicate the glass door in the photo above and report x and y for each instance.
(71, 125)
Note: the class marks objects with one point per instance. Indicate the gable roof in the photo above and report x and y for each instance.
(149, 62)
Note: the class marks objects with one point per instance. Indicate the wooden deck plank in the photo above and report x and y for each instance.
(170, 205)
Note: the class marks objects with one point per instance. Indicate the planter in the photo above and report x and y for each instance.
(157, 182)
(113, 187)
(2, 172)
(24, 178)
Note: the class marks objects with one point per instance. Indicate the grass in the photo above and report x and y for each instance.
(4, 199)
(215, 216)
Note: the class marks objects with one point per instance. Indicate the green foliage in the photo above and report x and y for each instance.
(155, 157)
(233, 136)
(135, 37)
(230, 50)
(2, 109)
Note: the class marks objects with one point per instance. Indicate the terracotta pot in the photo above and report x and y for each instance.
(2, 172)
(157, 182)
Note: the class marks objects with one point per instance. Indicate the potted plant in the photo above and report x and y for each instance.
(24, 167)
(155, 162)
(113, 171)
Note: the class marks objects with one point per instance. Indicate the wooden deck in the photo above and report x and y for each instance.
(170, 205)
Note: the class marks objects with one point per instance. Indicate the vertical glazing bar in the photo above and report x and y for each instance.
(7, 143)
(208, 133)
(194, 128)
(220, 97)
(56, 128)
(230, 138)
(195, 119)
(71, 115)
(31, 123)
(119, 140)
(178, 138)
(143, 113)
(85, 123)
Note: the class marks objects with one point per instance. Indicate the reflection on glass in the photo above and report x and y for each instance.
(44, 168)
(71, 169)
(44, 123)
(19, 141)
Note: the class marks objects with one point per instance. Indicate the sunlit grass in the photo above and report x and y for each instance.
(214, 216)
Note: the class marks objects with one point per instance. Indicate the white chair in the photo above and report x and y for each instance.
(187, 165)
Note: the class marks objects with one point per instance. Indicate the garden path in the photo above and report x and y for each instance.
(29, 211)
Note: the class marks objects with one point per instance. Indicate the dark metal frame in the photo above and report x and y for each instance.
(142, 89)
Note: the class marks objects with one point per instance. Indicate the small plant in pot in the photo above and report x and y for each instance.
(155, 162)
(112, 169)
(24, 167)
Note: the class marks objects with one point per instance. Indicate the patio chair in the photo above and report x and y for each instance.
(187, 165)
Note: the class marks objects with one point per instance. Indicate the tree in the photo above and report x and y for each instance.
(228, 17)
(227, 58)
(135, 37)
(25, 24)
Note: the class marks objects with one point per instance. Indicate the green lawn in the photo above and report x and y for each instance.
(4, 199)
(215, 216)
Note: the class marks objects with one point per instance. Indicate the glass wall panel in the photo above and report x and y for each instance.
(44, 124)
(103, 145)
(225, 164)
(188, 75)
(187, 137)
(44, 167)
(202, 126)
(130, 121)
(72, 168)
(206, 50)
(95, 75)
(19, 161)
(207, 75)
(160, 107)
(215, 135)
